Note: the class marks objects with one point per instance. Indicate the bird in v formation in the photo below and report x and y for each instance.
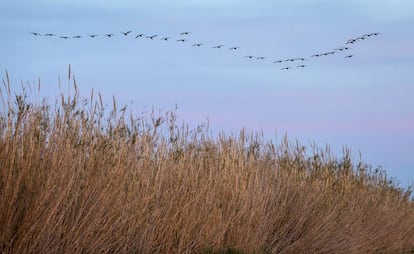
(126, 33)
(336, 50)
(152, 36)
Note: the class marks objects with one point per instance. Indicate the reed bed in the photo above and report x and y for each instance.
(77, 177)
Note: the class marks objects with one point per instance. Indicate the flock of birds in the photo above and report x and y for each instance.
(183, 37)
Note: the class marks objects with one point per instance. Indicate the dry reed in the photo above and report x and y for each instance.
(76, 178)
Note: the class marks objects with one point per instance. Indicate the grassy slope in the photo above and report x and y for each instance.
(76, 179)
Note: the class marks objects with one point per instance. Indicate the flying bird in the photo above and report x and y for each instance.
(185, 33)
(139, 35)
(165, 38)
(92, 35)
(371, 34)
(290, 60)
(64, 37)
(278, 61)
(35, 34)
(342, 48)
(348, 56)
(50, 35)
(234, 48)
(286, 68)
(260, 58)
(181, 40)
(109, 35)
(126, 33)
(151, 37)
(301, 66)
(198, 45)
(218, 46)
(76, 37)
(351, 41)
(316, 55)
(250, 57)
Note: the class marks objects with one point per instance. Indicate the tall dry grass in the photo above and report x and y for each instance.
(75, 178)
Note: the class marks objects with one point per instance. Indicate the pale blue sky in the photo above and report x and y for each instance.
(365, 103)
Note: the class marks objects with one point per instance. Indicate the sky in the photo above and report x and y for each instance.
(364, 102)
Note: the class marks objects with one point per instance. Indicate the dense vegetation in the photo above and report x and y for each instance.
(78, 178)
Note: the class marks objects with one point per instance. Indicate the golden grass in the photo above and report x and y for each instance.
(77, 179)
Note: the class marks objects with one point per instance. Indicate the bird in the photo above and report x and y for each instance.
(50, 35)
(181, 40)
(329, 53)
(250, 57)
(371, 34)
(165, 38)
(185, 33)
(234, 48)
(342, 48)
(300, 58)
(351, 41)
(290, 60)
(301, 66)
(198, 45)
(76, 37)
(35, 34)
(151, 37)
(316, 55)
(109, 35)
(278, 61)
(218, 46)
(348, 56)
(126, 33)
(64, 37)
(286, 68)
(139, 35)
(260, 58)
(92, 35)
